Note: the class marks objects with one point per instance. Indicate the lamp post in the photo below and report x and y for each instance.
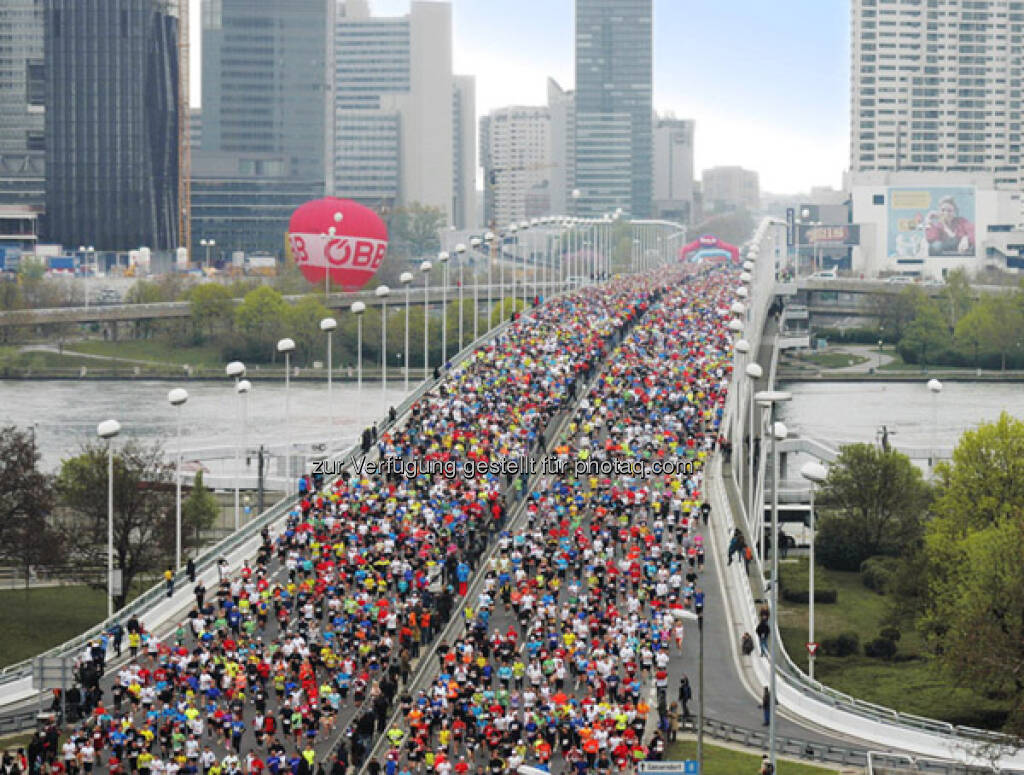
(523, 228)
(814, 473)
(512, 229)
(443, 258)
(88, 256)
(327, 325)
(287, 346)
(741, 346)
(805, 213)
(382, 292)
(177, 398)
(425, 268)
(236, 369)
(243, 387)
(771, 398)
(358, 308)
(753, 372)
(682, 613)
(475, 244)
(934, 387)
(207, 243)
(460, 253)
(406, 280)
(108, 429)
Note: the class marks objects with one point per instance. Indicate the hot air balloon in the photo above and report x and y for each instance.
(338, 236)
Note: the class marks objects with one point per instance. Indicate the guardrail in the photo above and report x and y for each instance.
(207, 561)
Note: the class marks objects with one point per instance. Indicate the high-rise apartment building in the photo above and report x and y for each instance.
(673, 168)
(515, 150)
(561, 156)
(22, 103)
(936, 86)
(613, 105)
(112, 123)
(464, 151)
(403, 123)
(266, 80)
(730, 188)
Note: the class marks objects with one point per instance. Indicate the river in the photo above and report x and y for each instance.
(65, 413)
(854, 411)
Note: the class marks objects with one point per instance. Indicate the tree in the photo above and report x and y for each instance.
(926, 334)
(894, 311)
(143, 509)
(413, 230)
(974, 588)
(260, 321)
(198, 511)
(734, 227)
(998, 323)
(27, 539)
(970, 329)
(956, 297)
(212, 309)
(873, 502)
(303, 325)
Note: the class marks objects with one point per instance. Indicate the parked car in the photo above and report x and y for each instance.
(899, 279)
(826, 274)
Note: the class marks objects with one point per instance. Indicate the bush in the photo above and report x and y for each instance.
(877, 573)
(880, 648)
(843, 645)
(836, 545)
(892, 633)
(852, 335)
(804, 595)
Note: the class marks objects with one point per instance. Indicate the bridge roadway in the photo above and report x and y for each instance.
(165, 310)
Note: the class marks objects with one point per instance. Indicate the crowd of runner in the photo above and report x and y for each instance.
(312, 642)
(581, 610)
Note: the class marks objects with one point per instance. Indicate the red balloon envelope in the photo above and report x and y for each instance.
(352, 253)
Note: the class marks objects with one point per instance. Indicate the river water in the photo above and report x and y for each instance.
(844, 412)
(65, 413)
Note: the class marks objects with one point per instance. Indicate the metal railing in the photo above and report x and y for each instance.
(210, 556)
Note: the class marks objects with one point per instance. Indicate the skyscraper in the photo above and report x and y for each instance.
(22, 104)
(614, 111)
(562, 112)
(516, 160)
(112, 123)
(402, 120)
(265, 80)
(936, 86)
(673, 168)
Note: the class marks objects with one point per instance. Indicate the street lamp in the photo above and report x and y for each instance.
(327, 325)
(741, 346)
(738, 309)
(108, 429)
(814, 473)
(753, 372)
(382, 292)
(236, 369)
(243, 387)
(425, 268)
(443, 258)
(287, 346)
(512, 229)
(406, 280)
(475, 244)
(935, 387)
(771, 399)
(748, 266)
(207, 243)
(177, 398)
(736, 325)
(460, 252)
(682, 613)
(358, 308)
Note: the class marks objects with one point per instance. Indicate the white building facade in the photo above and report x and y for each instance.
(673, 168)
(516, 161)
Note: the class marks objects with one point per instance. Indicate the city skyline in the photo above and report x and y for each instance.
(799, 100)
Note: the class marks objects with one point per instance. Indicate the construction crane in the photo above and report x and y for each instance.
(184, 131)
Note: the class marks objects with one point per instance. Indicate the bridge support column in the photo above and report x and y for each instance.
(783, 460)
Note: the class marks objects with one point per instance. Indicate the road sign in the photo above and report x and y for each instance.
(812, 648)
(686, 767)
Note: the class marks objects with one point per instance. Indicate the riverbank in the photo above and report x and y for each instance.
(865, 363)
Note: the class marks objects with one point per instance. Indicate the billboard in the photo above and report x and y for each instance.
(931, 222)
(841, 234)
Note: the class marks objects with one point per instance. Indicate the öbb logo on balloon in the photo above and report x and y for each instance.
(337, 237)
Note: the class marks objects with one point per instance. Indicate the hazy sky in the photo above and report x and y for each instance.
(767, 83)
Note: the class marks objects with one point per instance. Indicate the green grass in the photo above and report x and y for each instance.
(155, 350)
(833, 360)
(728, 761)
(41, 618)
(912, 683)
